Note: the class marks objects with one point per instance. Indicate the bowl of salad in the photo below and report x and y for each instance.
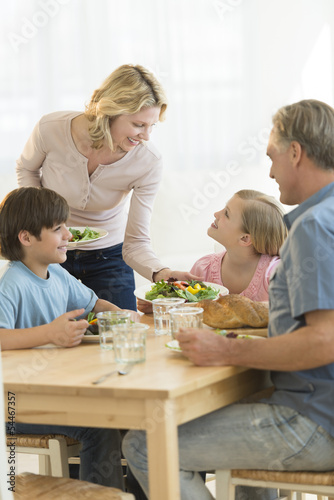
(191, 291)
(83, 235)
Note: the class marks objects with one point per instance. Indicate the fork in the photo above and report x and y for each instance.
(122, 371)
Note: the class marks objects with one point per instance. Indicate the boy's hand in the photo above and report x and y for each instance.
(65, 331)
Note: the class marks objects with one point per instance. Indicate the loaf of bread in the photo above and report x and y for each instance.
(234, 311)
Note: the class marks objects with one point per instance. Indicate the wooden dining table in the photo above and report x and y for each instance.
(53, 385)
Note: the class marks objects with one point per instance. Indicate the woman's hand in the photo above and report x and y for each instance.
(167, 273)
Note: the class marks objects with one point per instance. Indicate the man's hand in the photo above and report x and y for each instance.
(65, 331)
(202, 347)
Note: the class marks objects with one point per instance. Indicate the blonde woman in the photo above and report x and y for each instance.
(252, 230)
(95, 160)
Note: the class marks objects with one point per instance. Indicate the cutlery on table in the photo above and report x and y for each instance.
(121, 371)
(127, 369)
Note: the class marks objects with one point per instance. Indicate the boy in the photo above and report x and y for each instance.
(40, 299)
(38, 302)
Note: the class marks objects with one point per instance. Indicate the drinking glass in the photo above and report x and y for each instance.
(130, 342)
(185, 317)
(161, 308)
(105, 321)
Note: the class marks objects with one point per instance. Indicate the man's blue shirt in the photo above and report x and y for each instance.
(304, 282)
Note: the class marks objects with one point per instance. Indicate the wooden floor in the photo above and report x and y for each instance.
(29, 463)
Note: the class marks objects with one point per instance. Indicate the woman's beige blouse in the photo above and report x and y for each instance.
(50, 159)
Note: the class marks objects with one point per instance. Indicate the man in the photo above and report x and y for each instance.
(294, 428)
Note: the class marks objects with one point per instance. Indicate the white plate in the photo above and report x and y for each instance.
(246, 336)
(173, 345)
(141, 291)
(73, 244)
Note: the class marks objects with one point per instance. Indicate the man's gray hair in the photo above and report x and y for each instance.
(311, 124)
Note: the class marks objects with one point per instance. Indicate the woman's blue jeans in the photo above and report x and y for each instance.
(100, 456)
(247, 436)
(105, 272)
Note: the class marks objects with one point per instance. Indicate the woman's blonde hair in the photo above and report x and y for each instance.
(126, 91)
(262, 219)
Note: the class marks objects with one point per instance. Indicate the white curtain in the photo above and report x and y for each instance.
(227, 65)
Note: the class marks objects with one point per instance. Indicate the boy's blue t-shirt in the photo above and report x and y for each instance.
(27, 300)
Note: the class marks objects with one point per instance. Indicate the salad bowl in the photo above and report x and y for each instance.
(141, 291)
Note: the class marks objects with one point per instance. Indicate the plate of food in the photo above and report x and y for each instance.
(237, 335)
(90, 337)
(92, 332)
(191, 291)
(83, 235)
(173, 345)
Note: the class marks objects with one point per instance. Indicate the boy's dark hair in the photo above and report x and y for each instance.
(28, 209)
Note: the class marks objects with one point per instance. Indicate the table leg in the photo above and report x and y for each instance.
(163, 454)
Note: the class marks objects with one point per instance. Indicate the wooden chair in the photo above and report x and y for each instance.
(29, 486)
(53, 451)
(291, 485)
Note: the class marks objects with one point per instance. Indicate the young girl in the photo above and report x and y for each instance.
(252, 230)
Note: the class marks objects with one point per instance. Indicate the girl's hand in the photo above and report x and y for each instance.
(134, 315)
(144, 306)
(102, 305)
(65, 331)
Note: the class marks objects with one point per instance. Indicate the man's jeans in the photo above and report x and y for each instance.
(246, 436)
(100, 456)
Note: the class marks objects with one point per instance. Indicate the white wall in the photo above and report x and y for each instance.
(227, 65)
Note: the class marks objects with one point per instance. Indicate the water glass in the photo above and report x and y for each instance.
(105, 321)
(185, 317)
(130, 342)
(161, 308)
